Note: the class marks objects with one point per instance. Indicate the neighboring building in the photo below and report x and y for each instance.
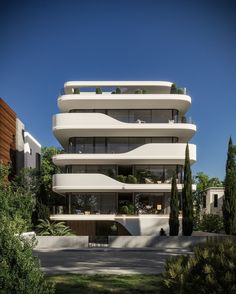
(17, 147)
(32, 152)
(123, 145)
(7, 135)
(212, 200)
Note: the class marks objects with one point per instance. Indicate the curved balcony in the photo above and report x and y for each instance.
(66, 183)
(145, 154)
(68, 125)
(123, 101)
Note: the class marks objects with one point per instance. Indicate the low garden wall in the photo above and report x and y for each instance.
(162, 242)
(57, 242)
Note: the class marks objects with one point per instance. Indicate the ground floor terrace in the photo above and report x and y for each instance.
(104, 214)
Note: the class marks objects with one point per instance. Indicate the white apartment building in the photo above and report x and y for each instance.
(123, 141)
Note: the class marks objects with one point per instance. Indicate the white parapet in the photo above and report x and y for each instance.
(66, 183)
(124, 101)
(68, 125)
(153, 153)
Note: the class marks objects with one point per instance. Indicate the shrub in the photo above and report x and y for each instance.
(45, 228)
(124, 209)
(98, 91)
(20, 272)
(138, 91)
(173, 89)
(76, 91)
(118, 91)
(131, 179)
(212, 223)
(121, 178)
(211, 269)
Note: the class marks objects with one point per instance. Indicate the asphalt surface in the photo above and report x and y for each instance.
(105, 261)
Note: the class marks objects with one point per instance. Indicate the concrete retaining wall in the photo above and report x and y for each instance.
(57, 242)
(165, 242)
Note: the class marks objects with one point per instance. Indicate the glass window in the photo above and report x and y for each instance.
(169, 171)
(143, 116)
(162, 140)
(84, 145)
(204, 201)
(161, 115)
(120, 114)
(100, 145)
(117, 145)
(78, 169)
(215, 200)
(136, 142)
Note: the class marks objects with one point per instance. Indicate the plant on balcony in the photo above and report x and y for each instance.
(144, 91)
(121, 178)
(138, 91)
(174, 209)
(131, 179)
(180, 91)
(118, 91)
(76, 91)
(98, 91)
(183, 119)
(124, 209)
(187, 198)
(173, 89)
(45, 228)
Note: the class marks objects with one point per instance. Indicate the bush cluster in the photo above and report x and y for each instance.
(211, 269)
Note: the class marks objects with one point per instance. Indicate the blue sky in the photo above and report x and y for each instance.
(192, 43)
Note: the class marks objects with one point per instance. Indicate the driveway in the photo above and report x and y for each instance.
(105, 261)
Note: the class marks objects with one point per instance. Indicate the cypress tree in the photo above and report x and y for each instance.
(174, 209)
(187, 199)
(229, 202)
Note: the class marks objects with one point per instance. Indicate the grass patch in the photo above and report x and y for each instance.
(90, 284)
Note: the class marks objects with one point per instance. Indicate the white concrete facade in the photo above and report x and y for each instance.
(123, 142)
(213, 200)
(28, 149)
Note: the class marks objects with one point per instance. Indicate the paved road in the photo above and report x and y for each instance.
(105, 261)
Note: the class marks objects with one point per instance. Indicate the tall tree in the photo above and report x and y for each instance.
(229, 203)
(174, 209)
(187, 198)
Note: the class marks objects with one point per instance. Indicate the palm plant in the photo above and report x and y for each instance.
(45, 228)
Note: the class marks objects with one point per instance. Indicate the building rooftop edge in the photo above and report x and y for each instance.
(117, 83)
(27, 134)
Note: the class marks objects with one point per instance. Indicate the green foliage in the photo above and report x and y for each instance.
(229, 202)
(202, 182)
(118, 91)
(174, 209)
(183, 119)
(20, 271)
(121, 178)
(138, 91)
(85, 202)
(211, 269)
(187, 199)
(76, 91)
(45, 228)
(98, 91)
(124, 209)
(212, 223)
(131, 179)
(16, 205)
(173, 89)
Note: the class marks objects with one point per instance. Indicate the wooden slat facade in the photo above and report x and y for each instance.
(7, 134)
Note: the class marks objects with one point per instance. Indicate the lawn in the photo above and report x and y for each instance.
(90, 284)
